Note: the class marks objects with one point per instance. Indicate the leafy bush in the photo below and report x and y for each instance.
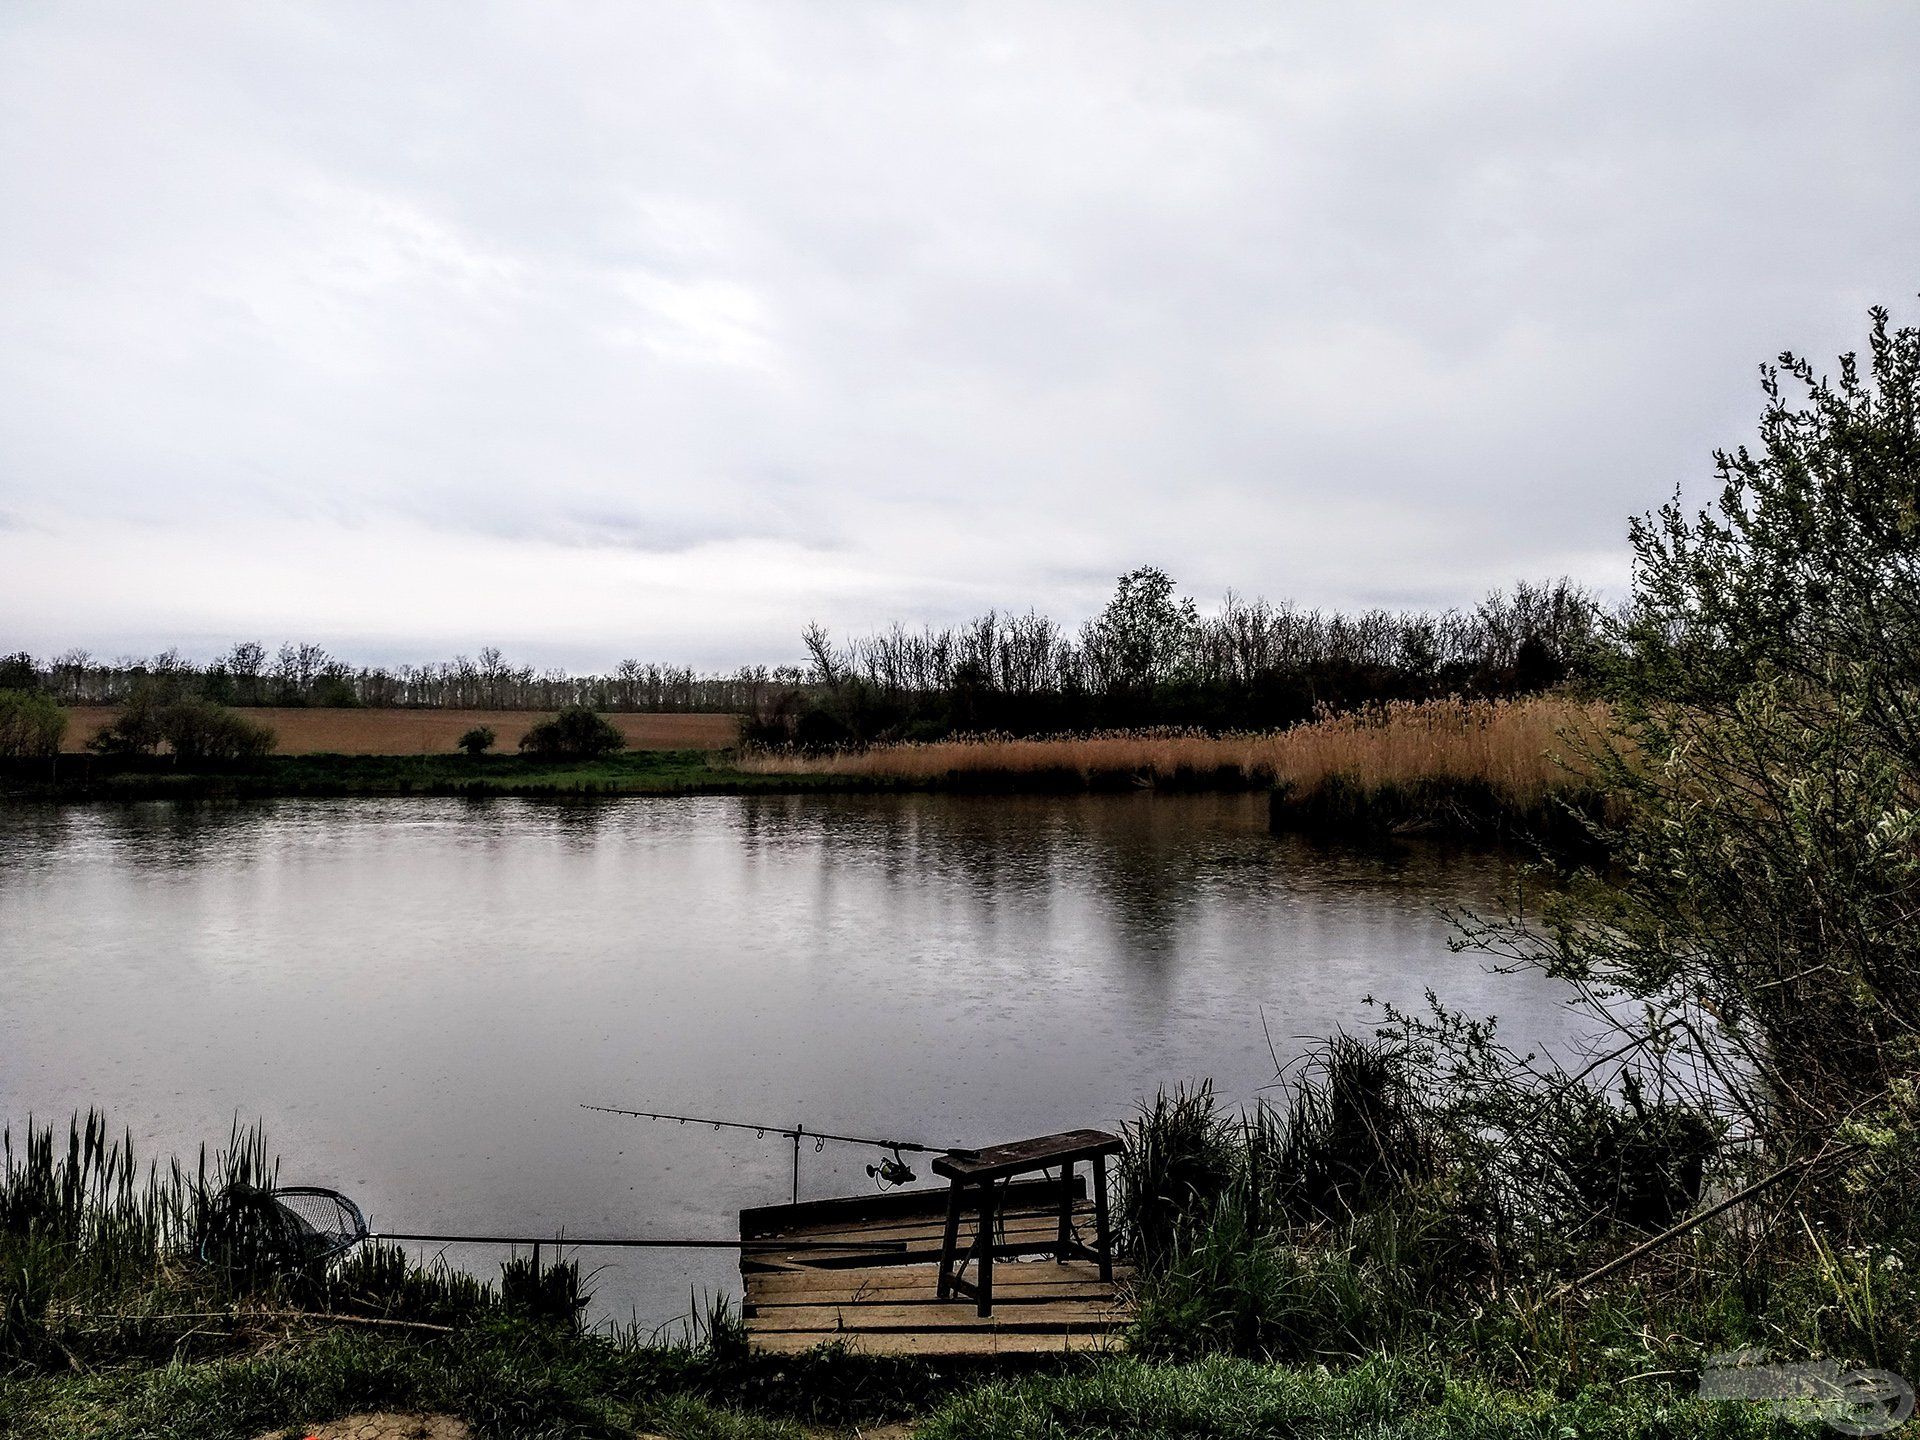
(1229, 1286)
(476, 741)
(1395, 1182)
(196, 731)
(199, 730)
(31, 726)
(134, 731)
(576, 733)
(1765, 759)
(1641, 1166)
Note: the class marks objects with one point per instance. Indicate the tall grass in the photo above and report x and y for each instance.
(1381, 1203)
(1512, 746)
(84, 1230)
(1314, 1225)
(102, 1257)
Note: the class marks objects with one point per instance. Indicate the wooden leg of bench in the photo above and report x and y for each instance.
(983, 1290)
(948, 1259)
(1103, 1233)
(1063, 1247)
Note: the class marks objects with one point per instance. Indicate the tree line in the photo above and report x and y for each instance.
(1149, 657)
(308, 675)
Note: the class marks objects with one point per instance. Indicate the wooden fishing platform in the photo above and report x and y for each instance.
(883, 1293)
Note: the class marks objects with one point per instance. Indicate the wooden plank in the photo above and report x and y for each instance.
(904, 1249)
(846, 1287)
(888, 1205)
(1011, 1273)
(920, 1251)
(1050, 1315)
(1022, 1155)
(1015, 1227)
(1077, 1293)
(879, 1230)
(783, 1287)
(1008, 1251)
(949, 1343)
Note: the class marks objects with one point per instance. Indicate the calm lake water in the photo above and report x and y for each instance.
(417, 996)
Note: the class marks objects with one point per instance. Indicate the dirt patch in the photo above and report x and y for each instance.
(299, 731)
(379, 1427)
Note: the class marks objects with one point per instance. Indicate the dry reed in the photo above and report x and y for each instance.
(1514, 746)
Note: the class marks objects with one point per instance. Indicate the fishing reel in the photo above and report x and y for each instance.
(891, 1172)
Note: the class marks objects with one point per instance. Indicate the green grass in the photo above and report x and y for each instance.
(634, 772)
(1224, 1399)
(510, 1379)
(504, 1378)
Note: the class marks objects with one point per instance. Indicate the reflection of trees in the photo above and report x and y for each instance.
(578, 820)
(30, 835)
(1147, 862)
(164, 835)
(173, 834)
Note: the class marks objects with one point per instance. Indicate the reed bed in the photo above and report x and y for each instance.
(1514, 746)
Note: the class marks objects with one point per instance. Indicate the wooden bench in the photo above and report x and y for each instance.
(974, 1177)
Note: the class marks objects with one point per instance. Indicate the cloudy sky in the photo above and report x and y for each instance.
(658, 329)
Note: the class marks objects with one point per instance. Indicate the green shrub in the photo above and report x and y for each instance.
(378, 1279)
(1392, 1186)
(476, 741)
(1640, 1166)
(134, 731)
(200, 731)
(195, 730)
(576, 733)
(31, 726)
(1229, 1286)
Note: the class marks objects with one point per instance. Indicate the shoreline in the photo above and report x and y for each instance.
(1335, 809)
(636, 772)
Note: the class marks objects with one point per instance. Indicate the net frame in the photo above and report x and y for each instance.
(329, 1223)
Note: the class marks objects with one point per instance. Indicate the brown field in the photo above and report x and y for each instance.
(1511, 744)
(431, 732)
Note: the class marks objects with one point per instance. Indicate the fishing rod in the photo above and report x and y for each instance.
(892, 1170)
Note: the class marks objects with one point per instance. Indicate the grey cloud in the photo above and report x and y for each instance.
(960, 305)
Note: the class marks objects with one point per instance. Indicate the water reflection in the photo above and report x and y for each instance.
(417, 995)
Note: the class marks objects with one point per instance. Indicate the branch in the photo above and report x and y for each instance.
(322, 1316)
(1693, 1222)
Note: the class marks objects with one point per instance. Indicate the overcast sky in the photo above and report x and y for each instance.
(658, 329)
